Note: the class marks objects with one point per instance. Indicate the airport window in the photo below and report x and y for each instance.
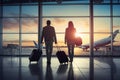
(116, 11)
(101, 10)
(19, 22)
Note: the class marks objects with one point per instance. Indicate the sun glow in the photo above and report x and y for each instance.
(77, 34)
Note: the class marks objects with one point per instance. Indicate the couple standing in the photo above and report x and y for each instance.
(49, 36)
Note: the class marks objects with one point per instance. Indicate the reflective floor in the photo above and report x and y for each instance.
(19, 68)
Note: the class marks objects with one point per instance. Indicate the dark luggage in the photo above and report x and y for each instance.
(62, 57)
(35, 55)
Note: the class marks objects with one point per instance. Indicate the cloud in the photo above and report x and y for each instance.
(13, 23)
(10, 23)
(59, 21)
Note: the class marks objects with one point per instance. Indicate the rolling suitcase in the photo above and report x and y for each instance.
(62, 57)
(35, 55)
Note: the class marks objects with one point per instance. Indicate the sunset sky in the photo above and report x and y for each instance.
(29, 26)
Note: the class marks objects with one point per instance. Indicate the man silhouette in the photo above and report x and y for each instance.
(49, 36)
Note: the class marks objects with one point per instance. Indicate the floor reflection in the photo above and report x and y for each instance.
(36, 70)
(62, 72)
(91, 69)
(15, 68)
(111, 66)
(49, 74)
(70, 72)
(62, 69)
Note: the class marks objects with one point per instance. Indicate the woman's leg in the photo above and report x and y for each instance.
(71, 52)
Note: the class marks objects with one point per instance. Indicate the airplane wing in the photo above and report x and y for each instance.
(36, 45)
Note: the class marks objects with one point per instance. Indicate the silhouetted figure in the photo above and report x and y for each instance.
(49, 36)
(49, 75)
(70, 39)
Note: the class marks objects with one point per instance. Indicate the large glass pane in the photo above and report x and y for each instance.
(27, 39)
(100, 43)
(29, 25)
(101, 24)
(28, 44)
(116, 11)
(116, 1)
(10, 25)
(116, 23)
(101, 10)
(10, 11)
(66, 10)
(10, 39)
(29, 11)
(101, 35)
(116, 26)
(11, 44)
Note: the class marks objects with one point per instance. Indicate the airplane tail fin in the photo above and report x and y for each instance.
(36, 45)
(115, 33)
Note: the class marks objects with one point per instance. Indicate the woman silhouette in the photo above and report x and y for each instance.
(70, 39)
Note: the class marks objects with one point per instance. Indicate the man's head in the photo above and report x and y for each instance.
(48, 22)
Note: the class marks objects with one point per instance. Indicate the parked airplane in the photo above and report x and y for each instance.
(101, 42)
